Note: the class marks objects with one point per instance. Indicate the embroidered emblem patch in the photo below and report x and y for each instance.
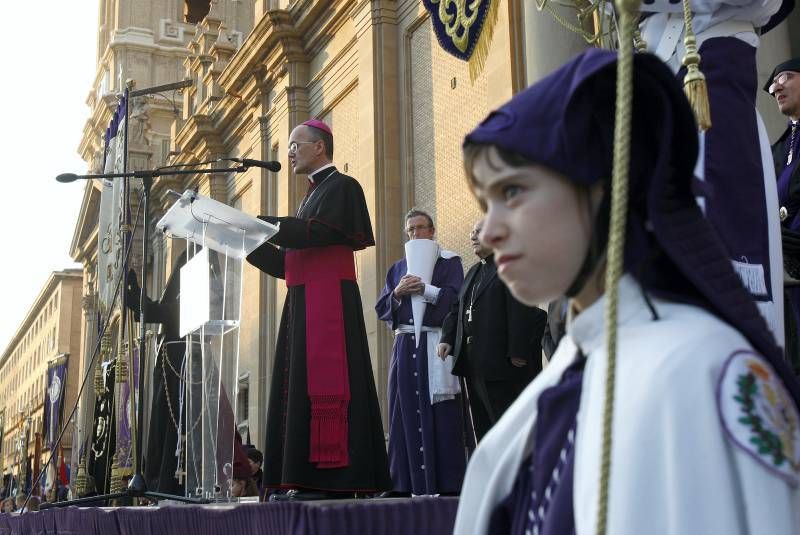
(758, 414)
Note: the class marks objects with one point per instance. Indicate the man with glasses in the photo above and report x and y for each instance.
(784, 85)
(324, 434)
(426, 430)
(496, 340)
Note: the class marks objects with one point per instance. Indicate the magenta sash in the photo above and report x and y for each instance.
(320, 270)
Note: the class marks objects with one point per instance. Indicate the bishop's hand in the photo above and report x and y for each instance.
(408, 285)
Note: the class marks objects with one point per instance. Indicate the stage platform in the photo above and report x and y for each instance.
(401, 516)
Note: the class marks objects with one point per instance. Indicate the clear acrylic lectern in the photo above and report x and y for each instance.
(219, 237)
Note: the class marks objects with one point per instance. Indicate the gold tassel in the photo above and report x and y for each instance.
(694, 83)
(122, 364)
(477, 61)
(80, 480)
(639, 44)
(119, 475)
(99, 385)
(105, 354)
(116, 484)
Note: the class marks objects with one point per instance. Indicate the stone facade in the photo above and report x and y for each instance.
(50, 330)
(398, 105)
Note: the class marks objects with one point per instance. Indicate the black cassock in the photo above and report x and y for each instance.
(333, 214)
(160, 461)
(501, 328)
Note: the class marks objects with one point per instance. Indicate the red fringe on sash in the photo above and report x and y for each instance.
(320, 271)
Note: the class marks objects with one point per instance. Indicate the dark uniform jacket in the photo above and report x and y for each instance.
(502, 328)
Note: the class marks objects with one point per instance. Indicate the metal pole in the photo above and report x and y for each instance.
(137, 483)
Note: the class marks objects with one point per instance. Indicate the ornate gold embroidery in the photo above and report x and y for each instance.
(458, 25)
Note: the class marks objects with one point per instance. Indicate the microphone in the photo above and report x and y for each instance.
(66, 178)
(247, 162)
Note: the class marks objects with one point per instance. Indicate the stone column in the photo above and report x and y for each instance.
(379, 165)
(85, 417)
(548, 45)
(260, 306)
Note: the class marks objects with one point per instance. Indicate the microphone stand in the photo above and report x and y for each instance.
(137, 487)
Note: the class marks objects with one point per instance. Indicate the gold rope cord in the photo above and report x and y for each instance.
(628, 13)
(132, 389)
(694, 83)
(120, 376)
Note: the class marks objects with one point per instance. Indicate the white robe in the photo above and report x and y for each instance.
(674, 469)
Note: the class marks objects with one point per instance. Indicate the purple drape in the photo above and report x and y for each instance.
(419, 516)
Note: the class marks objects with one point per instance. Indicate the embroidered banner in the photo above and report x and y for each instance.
(103, 443)
(464, 28)
(54, 400)
(109, 236)
(458, 24)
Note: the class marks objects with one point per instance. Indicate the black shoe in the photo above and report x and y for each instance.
(394, 494)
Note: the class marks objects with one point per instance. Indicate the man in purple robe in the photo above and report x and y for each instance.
(784, 85)
(427, 453)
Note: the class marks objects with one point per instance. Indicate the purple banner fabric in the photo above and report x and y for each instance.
(124, 412)
(736, 206)
(54, 401)
(119, 115)
(124, 427)
(419, 516)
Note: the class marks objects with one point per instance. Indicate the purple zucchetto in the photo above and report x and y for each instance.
(565, 122)
(319, 125)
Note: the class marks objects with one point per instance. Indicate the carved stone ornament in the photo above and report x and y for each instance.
(170, 31)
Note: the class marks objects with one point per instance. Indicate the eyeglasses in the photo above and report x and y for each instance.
(781, 79)
(293, 145)
(412, 230)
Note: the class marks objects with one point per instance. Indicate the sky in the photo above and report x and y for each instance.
(47, 72)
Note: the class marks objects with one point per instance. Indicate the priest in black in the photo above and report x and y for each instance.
(324, 430)
(495, 339)
(161, 464)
